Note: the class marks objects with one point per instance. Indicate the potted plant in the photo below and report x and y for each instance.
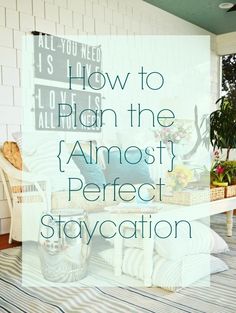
(223, 126)
(219, 128)
(231, 165)
(221, 174)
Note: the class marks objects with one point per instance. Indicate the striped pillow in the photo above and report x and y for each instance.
(168, 274)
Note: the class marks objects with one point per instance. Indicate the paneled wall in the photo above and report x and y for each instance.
(68, 17)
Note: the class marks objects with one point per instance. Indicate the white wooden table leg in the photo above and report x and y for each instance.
(148, 247)
(229, 221)
(118, 254)
(10, 234)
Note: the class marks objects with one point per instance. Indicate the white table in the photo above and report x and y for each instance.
(169, 213)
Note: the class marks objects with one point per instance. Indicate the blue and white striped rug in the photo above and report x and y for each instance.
(219, 298)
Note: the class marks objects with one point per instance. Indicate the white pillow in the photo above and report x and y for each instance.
(168, 274)
(204, 240)
(39, 152)
(220, 246)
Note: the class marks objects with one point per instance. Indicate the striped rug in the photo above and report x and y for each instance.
(219, 298)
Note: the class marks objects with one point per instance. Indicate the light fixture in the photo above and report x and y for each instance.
(226, 5)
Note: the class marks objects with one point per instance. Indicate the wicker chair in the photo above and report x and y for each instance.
(34, 193)
(30, 194)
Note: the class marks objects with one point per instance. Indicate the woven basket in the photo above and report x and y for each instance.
(230, 191)
(187, 197)
(217, 193)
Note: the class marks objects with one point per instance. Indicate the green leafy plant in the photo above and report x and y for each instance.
(223, 126)
(222, 172)
(231, 166)
(229, 76)
(220, 126)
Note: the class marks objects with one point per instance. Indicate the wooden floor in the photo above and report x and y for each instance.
(4, 242)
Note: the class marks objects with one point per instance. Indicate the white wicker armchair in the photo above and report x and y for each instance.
(29, 194)
(23, 189)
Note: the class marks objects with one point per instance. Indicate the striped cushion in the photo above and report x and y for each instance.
(168, 274)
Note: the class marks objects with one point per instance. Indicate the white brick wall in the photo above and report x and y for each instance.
(10, 76)
(38, 8)
(8, 4)
(26, 22)
(6, 93)
(65, 17)
(52, 12)
(5, 225)
(24, 6)
(12, 19)
(18, 17)
(7, 56)
(6, 35)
